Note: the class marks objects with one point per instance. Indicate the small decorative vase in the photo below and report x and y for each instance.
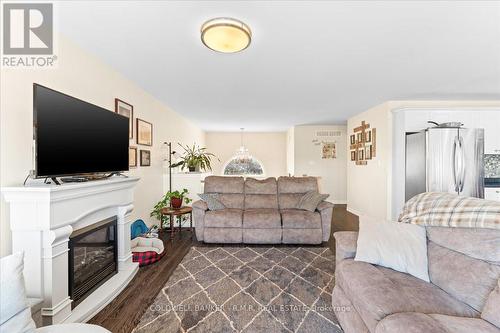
(176, 203)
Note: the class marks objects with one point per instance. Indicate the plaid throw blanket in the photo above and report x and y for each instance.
(449, 210)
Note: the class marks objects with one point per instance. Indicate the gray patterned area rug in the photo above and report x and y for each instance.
(247, 289)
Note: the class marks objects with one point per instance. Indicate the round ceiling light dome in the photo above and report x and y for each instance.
(226, 35)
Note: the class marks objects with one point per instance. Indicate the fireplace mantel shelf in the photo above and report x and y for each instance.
(42, 217)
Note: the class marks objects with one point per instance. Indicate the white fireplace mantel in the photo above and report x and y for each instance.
(42, 217)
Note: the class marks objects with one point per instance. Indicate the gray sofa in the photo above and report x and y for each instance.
(261, 212)
(463, 296)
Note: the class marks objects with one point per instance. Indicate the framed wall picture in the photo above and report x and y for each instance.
(132, 157)
(353, 155)
(361, 154)
(144, 133)
(364, 147)
(145, 157)
(126, 110)
(328, 150)
(368, 152)
(368, 136)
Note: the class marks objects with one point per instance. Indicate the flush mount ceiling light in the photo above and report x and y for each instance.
(226, 35)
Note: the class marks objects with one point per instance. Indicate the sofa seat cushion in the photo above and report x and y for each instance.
(377, 292)
(224, 218)
(411, 322)
(261, 218)
(300, 219)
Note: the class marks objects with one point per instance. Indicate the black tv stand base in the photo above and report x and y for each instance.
(86, 178)
(121, 174)
(55, 181)
(74, 179)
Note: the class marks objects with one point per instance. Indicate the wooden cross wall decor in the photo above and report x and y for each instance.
(363, 145)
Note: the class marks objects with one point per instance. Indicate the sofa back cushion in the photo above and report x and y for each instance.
(291, 190)
(230, 190)
(261, 193)
(483, 244)
(223, 184)
(460, 264)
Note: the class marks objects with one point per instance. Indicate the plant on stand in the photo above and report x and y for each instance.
(195, 157)
(173, 199)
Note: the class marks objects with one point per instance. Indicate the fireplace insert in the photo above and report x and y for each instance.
(93, 258)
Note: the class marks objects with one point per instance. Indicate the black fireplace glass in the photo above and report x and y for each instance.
(92, 258)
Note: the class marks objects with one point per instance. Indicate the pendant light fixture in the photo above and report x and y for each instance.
(242, 155)
(226, 35)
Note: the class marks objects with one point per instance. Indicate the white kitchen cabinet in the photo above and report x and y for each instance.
(492, 193)
(416, 120)
(470, 118)
(490, 121)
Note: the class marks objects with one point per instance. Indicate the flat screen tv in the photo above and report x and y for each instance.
(73, 137)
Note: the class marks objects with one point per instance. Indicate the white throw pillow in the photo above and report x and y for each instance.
(15, 313)
(400, 246)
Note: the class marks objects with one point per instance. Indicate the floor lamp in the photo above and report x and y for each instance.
(170, 154)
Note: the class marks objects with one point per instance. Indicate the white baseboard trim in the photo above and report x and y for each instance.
(339, 202)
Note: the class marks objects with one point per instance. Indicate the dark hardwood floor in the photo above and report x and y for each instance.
(125, 311)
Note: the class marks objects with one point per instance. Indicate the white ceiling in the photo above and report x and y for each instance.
(310, 62)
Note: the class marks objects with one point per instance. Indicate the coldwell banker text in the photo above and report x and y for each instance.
(28, 35)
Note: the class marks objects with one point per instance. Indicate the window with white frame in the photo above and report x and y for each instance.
(244, 167)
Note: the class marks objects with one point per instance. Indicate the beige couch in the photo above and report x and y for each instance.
(261, 212)
(463, 296)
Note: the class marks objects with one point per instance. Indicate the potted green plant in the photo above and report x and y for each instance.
(195, 157)
(172, 199)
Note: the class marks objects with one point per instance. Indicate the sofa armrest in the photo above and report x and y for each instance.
(345, 245)
(200, 204)
(199, 209)
(325, 209)
(324, 205)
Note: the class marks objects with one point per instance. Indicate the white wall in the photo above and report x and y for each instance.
(367, 185)
(370, 188)
(308, 161)
(290, 151)
(84, 76)
(267, 147)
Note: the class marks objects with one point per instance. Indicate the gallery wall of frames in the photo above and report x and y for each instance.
(363, 144)
(143, 135)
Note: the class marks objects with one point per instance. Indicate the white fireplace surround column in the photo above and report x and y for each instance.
(42, 218)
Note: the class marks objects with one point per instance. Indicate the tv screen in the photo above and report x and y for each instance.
(75, 137)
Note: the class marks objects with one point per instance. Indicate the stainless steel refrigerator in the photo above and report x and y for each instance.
(444, 159)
